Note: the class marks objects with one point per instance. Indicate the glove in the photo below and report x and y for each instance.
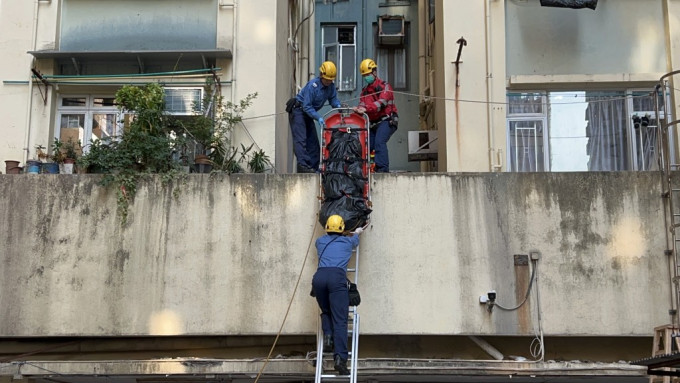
(358, 230)
(321, 121)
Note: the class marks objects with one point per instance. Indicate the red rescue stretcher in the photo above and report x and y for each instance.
(345, 187)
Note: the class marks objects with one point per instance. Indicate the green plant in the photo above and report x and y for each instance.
(213, 127)
(40, 153)
(57, 155)
(72, 149)
(64, 150)
(259, 162)
(148, 145)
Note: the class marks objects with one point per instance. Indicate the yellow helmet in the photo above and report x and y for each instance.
(367, 67)
(335, 224)
(327, 70)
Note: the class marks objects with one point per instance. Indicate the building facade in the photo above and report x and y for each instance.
(539, 133)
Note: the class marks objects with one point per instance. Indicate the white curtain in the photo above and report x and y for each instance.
(607, 133)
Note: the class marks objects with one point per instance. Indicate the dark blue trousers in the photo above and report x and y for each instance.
(379, 137)
(330, 288)
(305, 139)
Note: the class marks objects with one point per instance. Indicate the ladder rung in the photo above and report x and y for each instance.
(352, 269)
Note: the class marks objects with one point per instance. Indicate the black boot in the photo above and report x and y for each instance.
(305, 169)
(341, 365)
(328, 343)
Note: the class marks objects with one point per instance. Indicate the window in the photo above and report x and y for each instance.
(392, 60)
(87, 117)
(526, 138)
(183, 101)
(582, 131)
(91, 117)
(339, 46)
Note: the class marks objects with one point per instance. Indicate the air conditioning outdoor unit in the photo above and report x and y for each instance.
(391, 30)
(422, 145)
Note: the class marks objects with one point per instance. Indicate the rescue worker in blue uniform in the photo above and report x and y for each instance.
(377, 101)
(305, 111)
(330, 287)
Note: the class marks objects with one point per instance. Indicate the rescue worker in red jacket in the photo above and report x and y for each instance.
(377, 101)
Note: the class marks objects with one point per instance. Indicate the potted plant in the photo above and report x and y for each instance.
(70, 151)
(33, 166)
(259, 162)
(211, 130)
(57, 156)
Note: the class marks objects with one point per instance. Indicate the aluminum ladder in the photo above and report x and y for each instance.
(330, 374)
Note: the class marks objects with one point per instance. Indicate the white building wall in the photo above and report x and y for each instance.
(253, 69)
(619, 37)
(470, 105)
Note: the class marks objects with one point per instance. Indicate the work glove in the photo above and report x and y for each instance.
(321, 122)
(358, 230)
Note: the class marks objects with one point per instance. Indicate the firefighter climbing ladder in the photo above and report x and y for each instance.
(671, 191)
(352, 332)
(351, 165)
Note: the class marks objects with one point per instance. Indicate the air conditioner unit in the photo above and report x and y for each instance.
(391, 30)
(422, 145)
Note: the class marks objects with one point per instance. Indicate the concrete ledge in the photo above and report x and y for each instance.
(279, 370)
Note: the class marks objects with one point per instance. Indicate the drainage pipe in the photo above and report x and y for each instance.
(34, 42)
(489, 76)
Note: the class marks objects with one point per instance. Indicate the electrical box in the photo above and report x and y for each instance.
(422, 145)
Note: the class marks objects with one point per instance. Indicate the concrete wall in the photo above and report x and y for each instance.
(224, 255)
(620, 36)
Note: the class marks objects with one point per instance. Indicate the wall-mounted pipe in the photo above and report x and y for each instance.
(493, 165)
(34, 43)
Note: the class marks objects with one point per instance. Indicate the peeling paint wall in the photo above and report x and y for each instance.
(223, 256)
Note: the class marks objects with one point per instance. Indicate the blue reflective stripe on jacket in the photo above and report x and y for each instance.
(335, 250)
(314, 95)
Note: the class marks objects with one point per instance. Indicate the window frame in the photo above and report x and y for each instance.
(386, 71)
(517, 117)
(88, 111)
(347, 82)
(195, 109)
(636, 158)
